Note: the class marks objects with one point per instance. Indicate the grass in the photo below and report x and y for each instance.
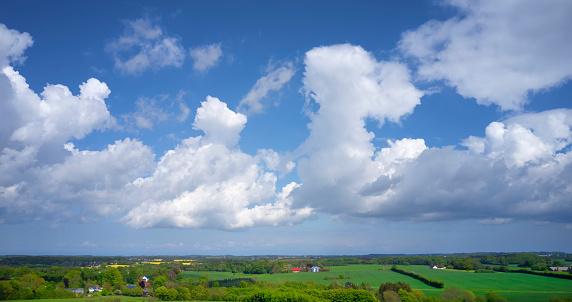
(358, 273)
(96, 299)
(91, 299)
(513, 286)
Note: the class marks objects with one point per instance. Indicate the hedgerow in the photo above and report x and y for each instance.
(430, 282)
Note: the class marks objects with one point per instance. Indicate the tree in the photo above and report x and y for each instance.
(31, 281)
(183, 293)
(493, 297)
(159, 281)
(390, 296)
(407, 296)
(171, 275)
(394, 287)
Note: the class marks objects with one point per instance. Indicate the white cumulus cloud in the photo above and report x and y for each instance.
(518, 170)
(12, 45)
(220, 124)
(206, 182)
(349, 85)
(42, 174)
(496, 52)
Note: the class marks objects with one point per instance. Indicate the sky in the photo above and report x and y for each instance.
(285, 127)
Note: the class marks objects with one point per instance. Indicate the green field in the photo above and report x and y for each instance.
(94, 299)
(90, 299)
(513, 286)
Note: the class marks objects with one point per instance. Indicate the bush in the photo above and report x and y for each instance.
(484, 271)
(493, 297)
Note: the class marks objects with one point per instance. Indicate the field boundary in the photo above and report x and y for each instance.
(430, 282)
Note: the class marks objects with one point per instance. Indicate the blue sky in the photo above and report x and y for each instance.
(285, 127)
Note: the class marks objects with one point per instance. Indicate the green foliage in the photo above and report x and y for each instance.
(481, 271)
(159, 281)
(531, 272)
(389, 296)
(165, 294)
(348, 295)
(406, 296)
(493, 297)
(457, 294)
(395, 287)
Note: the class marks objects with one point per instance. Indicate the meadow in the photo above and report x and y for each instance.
(98, 299)
(513, 286)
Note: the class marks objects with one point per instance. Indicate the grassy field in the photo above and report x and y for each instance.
(513, 286)
(90, 299)
(94, 299)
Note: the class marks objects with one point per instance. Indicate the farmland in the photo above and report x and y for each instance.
(513, 286)
(248, 278)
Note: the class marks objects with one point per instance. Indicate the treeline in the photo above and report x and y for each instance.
(532, 272)
(428, 281)
(81, 261)
(455, 261)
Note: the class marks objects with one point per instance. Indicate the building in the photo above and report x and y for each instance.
(295, 269)
(558, 268)
(77, 291)
(315, 269)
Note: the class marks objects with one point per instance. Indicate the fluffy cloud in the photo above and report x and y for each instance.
(12, 45)
(206, 56)
(145, 46)
(86, 183)
(58, 115)
(272, 81)
(513, 172)
(496, 52)
(220, 124)
(518, 170)
(208, 183)
(349, 85)
(41, 174)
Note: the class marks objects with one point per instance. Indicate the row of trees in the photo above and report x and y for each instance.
(463, 262)
(428, 281)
